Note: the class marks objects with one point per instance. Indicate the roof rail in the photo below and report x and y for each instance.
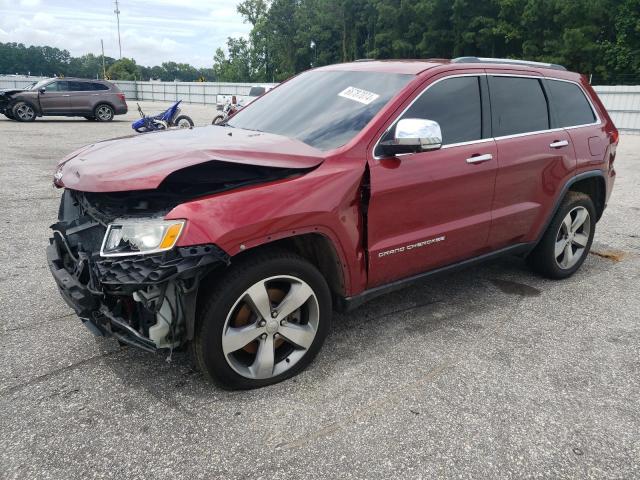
(511, 61)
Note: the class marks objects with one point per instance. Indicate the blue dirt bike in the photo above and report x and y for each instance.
(169, 118)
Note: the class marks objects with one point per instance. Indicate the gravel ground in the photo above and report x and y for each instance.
(489, 373)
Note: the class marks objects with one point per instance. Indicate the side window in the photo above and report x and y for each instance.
(79, 86)
(518, 105)
(58, 86)
(455, 104)
(570, 106)
(99, 86)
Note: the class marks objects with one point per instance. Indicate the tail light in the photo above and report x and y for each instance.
(614, 137)
(122, 97)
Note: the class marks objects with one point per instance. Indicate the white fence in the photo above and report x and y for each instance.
(623, 105)
(622, 102)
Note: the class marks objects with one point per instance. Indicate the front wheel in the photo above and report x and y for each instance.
(567, 241)
(23, 112)
(217, 120)
(264, 322)
(183, 121)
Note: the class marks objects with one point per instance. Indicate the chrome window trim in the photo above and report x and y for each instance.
(484, 140)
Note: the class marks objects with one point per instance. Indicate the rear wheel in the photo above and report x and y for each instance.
(264, 322)
(217, 120)
(567, 241)
(23, 112)
(104, 112)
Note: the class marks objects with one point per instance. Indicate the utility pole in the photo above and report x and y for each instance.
(104, 70)
(117, 12)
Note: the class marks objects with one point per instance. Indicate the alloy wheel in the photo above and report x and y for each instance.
(104, 113)
(270, 327)
(24, 112)
(572, 237)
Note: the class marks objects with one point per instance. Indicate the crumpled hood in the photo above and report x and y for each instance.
(142, 162)
(11, 91)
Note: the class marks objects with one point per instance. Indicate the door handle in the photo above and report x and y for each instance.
(66, 95)
(480, 158)
(559, 144)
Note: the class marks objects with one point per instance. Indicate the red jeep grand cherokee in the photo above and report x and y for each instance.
(342, 183)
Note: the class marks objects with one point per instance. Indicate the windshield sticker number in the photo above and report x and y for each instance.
(358, 95)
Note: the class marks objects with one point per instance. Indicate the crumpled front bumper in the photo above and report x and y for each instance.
(95, 281)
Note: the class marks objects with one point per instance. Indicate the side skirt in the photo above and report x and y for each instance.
(346, 304)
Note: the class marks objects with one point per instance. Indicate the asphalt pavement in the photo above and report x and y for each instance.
(492, 372)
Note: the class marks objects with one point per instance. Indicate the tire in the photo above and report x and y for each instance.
(9, 115)
(217, 120)
(103, 112)
(23, 112)
(567, 240)
(183, 121)
(264, 355)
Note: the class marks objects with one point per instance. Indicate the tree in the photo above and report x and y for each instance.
(123, 69)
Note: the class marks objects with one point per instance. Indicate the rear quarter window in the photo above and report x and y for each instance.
(569, 104)
(99, 86)
(518, 105)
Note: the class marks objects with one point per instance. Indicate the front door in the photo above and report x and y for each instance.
(430, 209)
(55, 99)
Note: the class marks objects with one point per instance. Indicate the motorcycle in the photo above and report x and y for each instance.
(229, 109)
(169, 118)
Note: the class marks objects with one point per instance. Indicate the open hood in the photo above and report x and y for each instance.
(142, 162)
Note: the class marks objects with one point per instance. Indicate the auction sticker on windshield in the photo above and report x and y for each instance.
(359, 95)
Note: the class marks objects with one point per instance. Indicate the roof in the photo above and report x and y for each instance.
(411, 67)
(415, 67)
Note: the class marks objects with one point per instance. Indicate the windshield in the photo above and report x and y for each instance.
(322, 109)
(37, 85)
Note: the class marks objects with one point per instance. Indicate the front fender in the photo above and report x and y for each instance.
(324, 201)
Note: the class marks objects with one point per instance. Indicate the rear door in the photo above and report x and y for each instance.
(55, 99)
(573, 112)
(535, 159)
(81, 97)
(433, 208)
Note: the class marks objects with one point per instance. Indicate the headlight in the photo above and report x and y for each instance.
(137, 237)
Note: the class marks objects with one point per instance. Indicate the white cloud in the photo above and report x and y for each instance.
(173, 30)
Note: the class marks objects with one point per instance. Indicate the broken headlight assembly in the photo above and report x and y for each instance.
(139, 237)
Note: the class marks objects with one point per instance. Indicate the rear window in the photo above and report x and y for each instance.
(518, 105)
(570, 106)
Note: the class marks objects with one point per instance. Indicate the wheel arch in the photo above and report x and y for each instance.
(595, 187)
(593, 181)
(318, 249)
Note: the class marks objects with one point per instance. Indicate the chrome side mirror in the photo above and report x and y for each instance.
(414, 135)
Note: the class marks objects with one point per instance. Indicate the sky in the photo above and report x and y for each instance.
(152, 32)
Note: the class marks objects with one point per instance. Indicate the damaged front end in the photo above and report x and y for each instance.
(145, 300)
(6, 97)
